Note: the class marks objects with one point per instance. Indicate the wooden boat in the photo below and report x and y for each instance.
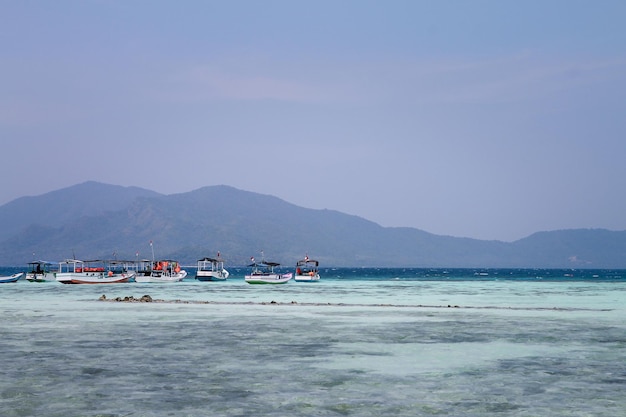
(141, 267)
(263, 273)
(40, 271)
(74, 271)
(10, 278)
(162, 271)
(307, 270)
(165, 270)
(211, 269)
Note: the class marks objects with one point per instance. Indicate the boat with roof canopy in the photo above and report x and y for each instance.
(165, 270)
(41, 271)
(74, 271)
(307, 270)
(263, 273)
(211, 269)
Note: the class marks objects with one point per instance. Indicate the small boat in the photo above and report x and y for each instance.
(141, 267)
(307, 270)
(211, 269)
(162, 271)
(74, 271)
(263, 273)
(11, 278)
(40, 271)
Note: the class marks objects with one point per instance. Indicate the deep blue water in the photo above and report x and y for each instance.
(436, 274)
(488, 274)
(361, 342)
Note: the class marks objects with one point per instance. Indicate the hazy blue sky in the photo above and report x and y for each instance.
(485, 119)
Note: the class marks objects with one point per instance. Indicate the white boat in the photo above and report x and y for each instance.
(162, 271)
(211, 269)
(10, 278)
(141, 267)
(263, 273)
(74, 271)
(40, 271)
(307, 270)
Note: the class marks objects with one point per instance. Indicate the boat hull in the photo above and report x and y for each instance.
(268, 278)
(212, 275)
(165, 278)
(307, 278)
(43, 277)
(93, 278)
(210, 278)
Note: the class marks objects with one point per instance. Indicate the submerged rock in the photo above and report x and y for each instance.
(128, 299)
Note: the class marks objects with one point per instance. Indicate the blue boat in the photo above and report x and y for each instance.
(11, 278)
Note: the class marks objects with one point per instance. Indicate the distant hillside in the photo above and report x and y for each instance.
(93, 220)
(66, 205)
(581, 248)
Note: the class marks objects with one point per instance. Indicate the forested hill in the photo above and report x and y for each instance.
(94, 220)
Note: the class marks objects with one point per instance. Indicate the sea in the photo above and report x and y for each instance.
(360, 342)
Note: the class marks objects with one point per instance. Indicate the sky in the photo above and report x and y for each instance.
(484, 119)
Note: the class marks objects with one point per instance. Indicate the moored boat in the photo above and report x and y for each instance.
(74, 271)
(141, 267)
(211, 269)
(307, 270)
(263, 273)
(162, 271)
(40, 271)
(165, 270)
(10, 278)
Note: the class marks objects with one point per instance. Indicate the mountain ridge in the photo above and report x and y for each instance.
(96, 220)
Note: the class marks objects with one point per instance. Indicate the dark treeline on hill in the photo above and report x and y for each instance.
(101, 221)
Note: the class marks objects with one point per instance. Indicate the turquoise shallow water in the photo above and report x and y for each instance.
(357, 343)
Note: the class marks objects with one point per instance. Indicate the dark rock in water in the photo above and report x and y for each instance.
(129, 299)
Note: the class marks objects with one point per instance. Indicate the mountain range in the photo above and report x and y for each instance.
(102, 221)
